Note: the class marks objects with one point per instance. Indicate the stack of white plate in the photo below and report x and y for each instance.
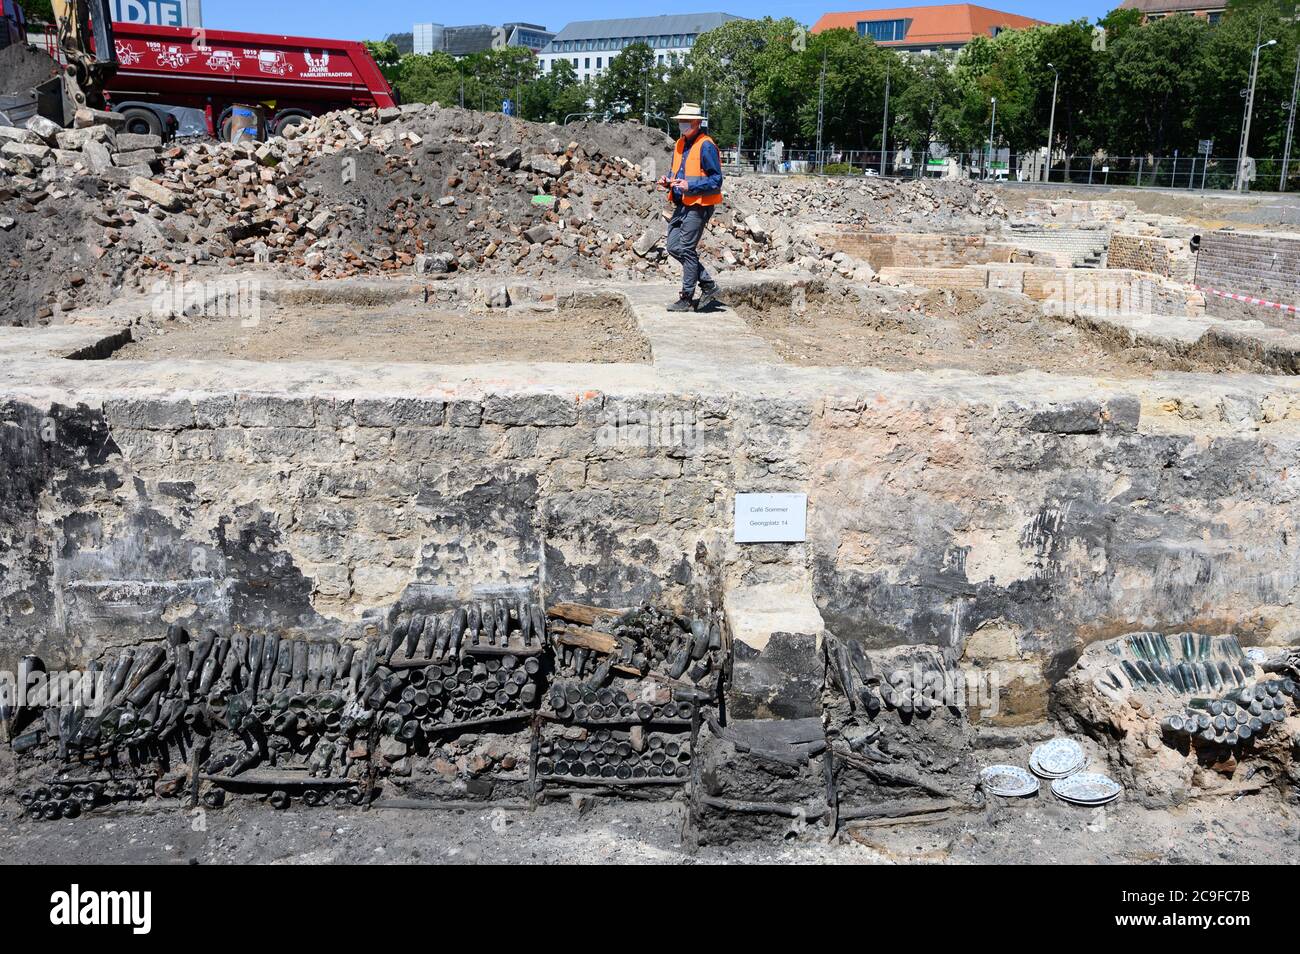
(1009, 781)
(1058, 758)
(1086, 788)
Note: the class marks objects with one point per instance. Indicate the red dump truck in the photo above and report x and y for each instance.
(293, 77)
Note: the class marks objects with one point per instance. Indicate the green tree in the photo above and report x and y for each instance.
(383, 52)
(502, 73)
(431, 77)
(1070, 48)
(621, 90)
(1228, 51)
(729, 62)
(926, 99)
(556, 94)
(1151, 83)
(38, 11)
(854, 88)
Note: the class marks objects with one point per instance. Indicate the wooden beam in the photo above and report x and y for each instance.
(584, 637)
(581, 613)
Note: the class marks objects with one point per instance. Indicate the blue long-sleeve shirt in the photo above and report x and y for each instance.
(710, 165)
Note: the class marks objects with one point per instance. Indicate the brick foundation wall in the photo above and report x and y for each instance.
(1069, 290)
(1141, 254)
(886, 250)
(1258, 264)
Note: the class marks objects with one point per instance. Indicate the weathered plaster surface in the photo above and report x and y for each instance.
(312, 497)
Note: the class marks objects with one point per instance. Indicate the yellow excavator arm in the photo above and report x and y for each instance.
(85, 33)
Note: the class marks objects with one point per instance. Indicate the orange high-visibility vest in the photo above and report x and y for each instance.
(693, 171)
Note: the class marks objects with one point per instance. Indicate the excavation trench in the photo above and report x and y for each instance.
(963, 516)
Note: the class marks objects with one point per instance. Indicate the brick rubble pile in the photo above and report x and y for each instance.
(90, 211)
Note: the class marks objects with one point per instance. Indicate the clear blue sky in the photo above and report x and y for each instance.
(371, 21)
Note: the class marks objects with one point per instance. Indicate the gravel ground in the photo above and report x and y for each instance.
(1255, 829)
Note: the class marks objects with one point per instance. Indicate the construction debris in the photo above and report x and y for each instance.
(424, 190)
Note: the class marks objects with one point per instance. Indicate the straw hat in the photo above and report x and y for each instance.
(689, 111)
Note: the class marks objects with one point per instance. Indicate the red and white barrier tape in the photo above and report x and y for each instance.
(1248, 299)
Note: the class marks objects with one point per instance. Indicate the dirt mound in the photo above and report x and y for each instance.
(54, 248)
(912, 205)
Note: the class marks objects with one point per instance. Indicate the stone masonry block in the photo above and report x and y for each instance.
(537, 410)
(154, 414)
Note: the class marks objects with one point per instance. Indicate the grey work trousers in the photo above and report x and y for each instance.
(684, 231)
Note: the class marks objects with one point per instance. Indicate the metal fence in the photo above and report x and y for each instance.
(1196, 173)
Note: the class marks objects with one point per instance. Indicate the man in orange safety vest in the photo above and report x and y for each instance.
(695, 190)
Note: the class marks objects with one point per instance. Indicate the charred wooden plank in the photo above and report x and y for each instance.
(581, 613)
(584, 637)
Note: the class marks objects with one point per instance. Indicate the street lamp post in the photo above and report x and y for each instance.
(988, 169)
(1250, 109)
(1051, 126)
(1290, 124)
(740, 137)
(821, 111)
(884, 128)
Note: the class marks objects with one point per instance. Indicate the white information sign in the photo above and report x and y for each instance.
(771, 518)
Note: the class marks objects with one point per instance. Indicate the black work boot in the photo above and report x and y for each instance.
(683, 303)
(708, 296)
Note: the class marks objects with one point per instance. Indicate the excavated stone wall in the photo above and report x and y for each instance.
(1040, 529)
(888, 249)
(1035, 520)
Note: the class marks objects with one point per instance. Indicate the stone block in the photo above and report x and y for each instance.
(537, 410)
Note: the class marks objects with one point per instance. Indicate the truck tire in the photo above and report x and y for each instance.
(143, 122)
(282, 123)
(223, 124)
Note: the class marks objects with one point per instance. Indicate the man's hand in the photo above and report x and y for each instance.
(663, 182)
(680, 184)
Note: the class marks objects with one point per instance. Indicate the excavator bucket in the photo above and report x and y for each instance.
(85, 30)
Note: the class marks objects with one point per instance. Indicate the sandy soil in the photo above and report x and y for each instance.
(1255, 829)
(406, 332)
(984, 332)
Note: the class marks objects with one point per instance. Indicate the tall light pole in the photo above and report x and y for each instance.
(1250, 109)
(740, 139)
(645, 114)
(1051, 126)
(988, 169)
(884, 127)
(1290, 124)
(821, 108)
